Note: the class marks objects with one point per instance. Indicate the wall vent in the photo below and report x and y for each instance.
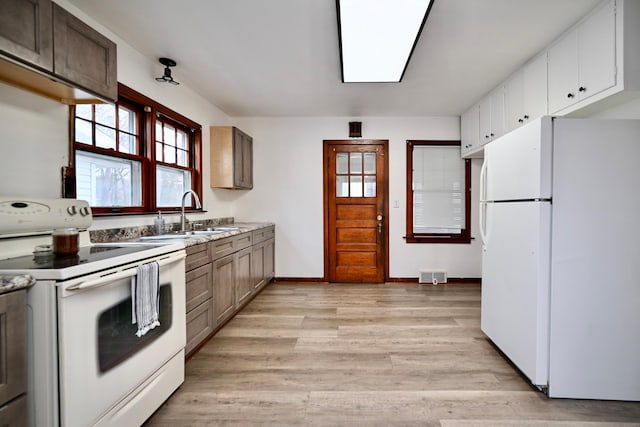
(432, 276)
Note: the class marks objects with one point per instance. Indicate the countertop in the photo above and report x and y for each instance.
(15, 282)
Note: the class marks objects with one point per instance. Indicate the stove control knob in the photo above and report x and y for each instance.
(85, 210)
(72, 210)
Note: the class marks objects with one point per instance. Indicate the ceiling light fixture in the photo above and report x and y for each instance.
(377, 37)
(166, 77)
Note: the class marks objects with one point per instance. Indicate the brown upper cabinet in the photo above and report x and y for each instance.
(26, 32)
(40, 41)
(231, 158)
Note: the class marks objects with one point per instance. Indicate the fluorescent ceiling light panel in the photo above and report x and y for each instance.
(377, 37)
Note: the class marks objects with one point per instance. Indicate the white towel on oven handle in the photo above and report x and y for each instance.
(145, 297)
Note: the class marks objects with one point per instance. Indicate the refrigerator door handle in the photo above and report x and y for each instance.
(483, 203)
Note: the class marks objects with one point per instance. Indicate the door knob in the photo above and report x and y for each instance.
(379, 217)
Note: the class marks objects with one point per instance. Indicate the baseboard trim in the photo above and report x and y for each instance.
(400, 280)
(277, 280)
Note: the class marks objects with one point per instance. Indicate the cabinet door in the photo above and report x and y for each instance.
(535, 102)
(497, 112)
(200, 324)
(242, 159)
(470, 130)
(224, 279)
(257, 265)
(485, 120)
(597, 52)
(514, 101)
(244, 281)
(12, 345)
(83, 56)
(269, 260)
(25, 31)
(563, 72)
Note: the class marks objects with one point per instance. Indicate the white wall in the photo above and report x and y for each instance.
(288, 191)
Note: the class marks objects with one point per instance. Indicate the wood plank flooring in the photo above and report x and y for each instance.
(367, 355)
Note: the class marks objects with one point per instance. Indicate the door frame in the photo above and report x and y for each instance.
(327, 145)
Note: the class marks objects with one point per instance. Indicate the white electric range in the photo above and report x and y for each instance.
(86, 365)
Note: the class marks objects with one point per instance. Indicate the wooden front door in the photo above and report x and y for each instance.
(356, 210)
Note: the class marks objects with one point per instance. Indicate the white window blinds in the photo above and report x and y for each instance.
(438, 189)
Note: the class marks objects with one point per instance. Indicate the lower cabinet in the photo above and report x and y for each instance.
(244, 282)
(221, 277)
(263, 263)
(13, 374)
(199, 296)
(224, 288)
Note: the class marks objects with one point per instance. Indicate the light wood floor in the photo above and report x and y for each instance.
(367, 355)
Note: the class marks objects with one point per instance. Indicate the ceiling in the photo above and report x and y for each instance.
(281, 57)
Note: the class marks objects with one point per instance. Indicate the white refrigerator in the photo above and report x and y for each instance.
(559, 221)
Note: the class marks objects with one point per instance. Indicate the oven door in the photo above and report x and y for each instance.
(101, 360)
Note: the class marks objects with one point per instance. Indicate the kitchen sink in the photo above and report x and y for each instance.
(185, 235)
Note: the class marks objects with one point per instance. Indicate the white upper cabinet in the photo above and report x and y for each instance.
(492, 115)
(470, 133)
(497, 112)
(583, 62)
(594, 65)
(526, 93)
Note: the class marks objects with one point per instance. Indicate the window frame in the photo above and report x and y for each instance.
(411, 237)
(148, 111)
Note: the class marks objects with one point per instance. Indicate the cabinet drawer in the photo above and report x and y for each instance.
(222, 247)
(242, 241)
(197, 255)
(263, 234)
(199, 325)
(199, 286)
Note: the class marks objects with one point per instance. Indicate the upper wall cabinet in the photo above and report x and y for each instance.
(51, 52)
(470, 132)
(583, 62)
(26, 33)
(597, 63)
(591, 67)
(526, 93)
(231, 153)
(492, 115)
(83, 56)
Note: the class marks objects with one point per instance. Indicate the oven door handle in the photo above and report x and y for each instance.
(123, 274)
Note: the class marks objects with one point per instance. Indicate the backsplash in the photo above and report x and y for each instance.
(128, 233)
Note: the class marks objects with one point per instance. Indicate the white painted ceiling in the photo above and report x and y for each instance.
(281, 57)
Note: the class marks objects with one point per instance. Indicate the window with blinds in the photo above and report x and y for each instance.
(438, 193)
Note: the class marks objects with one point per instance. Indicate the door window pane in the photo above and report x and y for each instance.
(369, 186)
(370, 163)
(355, 188)
(355, 162)
(342, 186)
(342, 163)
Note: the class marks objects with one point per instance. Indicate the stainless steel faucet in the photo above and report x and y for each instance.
(183, 218)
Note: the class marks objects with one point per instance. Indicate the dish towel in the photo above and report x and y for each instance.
(145, 297)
